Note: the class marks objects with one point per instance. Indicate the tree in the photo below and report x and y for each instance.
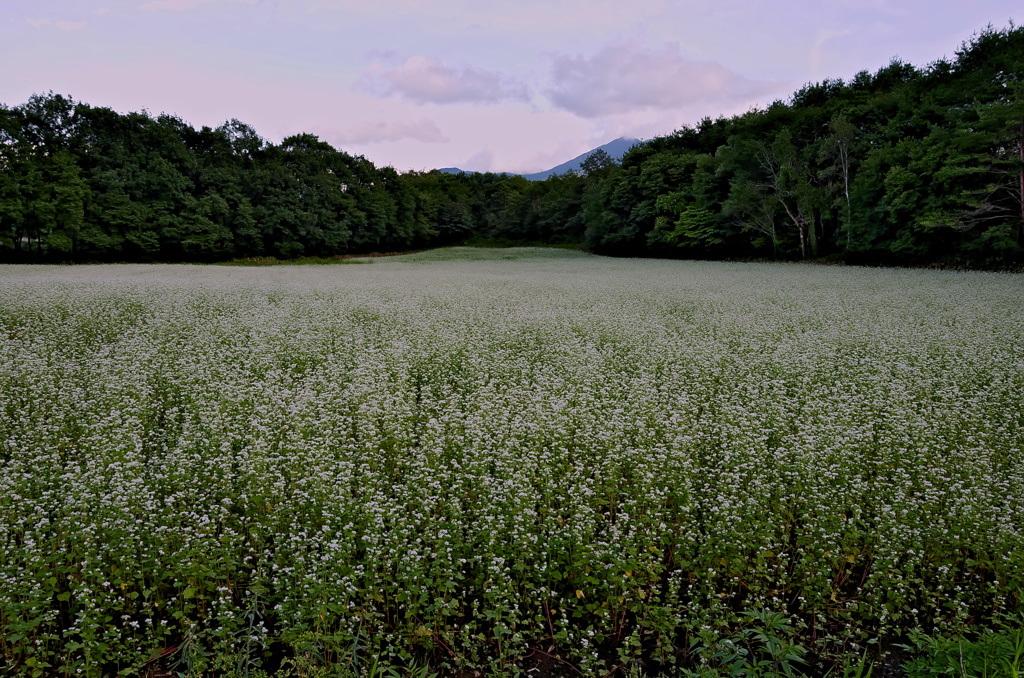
(48, 122)
(683, 223)
(68, 195)
(597, 164)
(786, 178)
(836, 150)
(754, 209)
(689, 218)
(11, 171)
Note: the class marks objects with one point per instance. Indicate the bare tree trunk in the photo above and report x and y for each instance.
(762, 220)
(772, 166)
(846, 187)
(844, 133)
(800, 222)
(1022, 171)
(813, 231)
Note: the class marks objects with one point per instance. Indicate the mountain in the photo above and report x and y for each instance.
(616, 149)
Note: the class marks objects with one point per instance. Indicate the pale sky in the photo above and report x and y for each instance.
(479, 84)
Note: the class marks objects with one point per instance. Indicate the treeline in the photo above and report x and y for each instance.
(85, 183)
(905, 165)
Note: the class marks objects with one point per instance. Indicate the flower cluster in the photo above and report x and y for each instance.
(456, 462)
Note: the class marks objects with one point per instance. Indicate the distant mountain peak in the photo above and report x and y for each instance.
(615, 149)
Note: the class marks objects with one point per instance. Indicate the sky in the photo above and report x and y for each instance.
(484, 85)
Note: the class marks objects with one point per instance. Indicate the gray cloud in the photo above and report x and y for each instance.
(425, 131)
(481, 161)
(180, 5)
(424, 80)
(627, 78)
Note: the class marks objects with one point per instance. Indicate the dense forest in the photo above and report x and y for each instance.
(907, 165)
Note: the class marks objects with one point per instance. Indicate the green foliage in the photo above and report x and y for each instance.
(762, 647)
(692, 228)
(301, 261)
(990, 654)
(502, 252)
(84, 183)
(902, 166)
(459, 460)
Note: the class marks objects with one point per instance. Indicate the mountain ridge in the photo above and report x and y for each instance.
(615, 148)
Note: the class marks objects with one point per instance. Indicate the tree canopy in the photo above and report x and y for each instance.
(907, 165)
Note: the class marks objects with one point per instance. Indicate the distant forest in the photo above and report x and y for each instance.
(908, 165)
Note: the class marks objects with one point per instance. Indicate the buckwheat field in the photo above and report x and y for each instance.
(500, 462)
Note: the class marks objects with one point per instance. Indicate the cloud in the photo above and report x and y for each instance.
(883, 6)
(627, 78)
(424, 80)
(378, 54)
(481, 161)
(425, 131)
(179, 5)
(62, 25)
(554, 154)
